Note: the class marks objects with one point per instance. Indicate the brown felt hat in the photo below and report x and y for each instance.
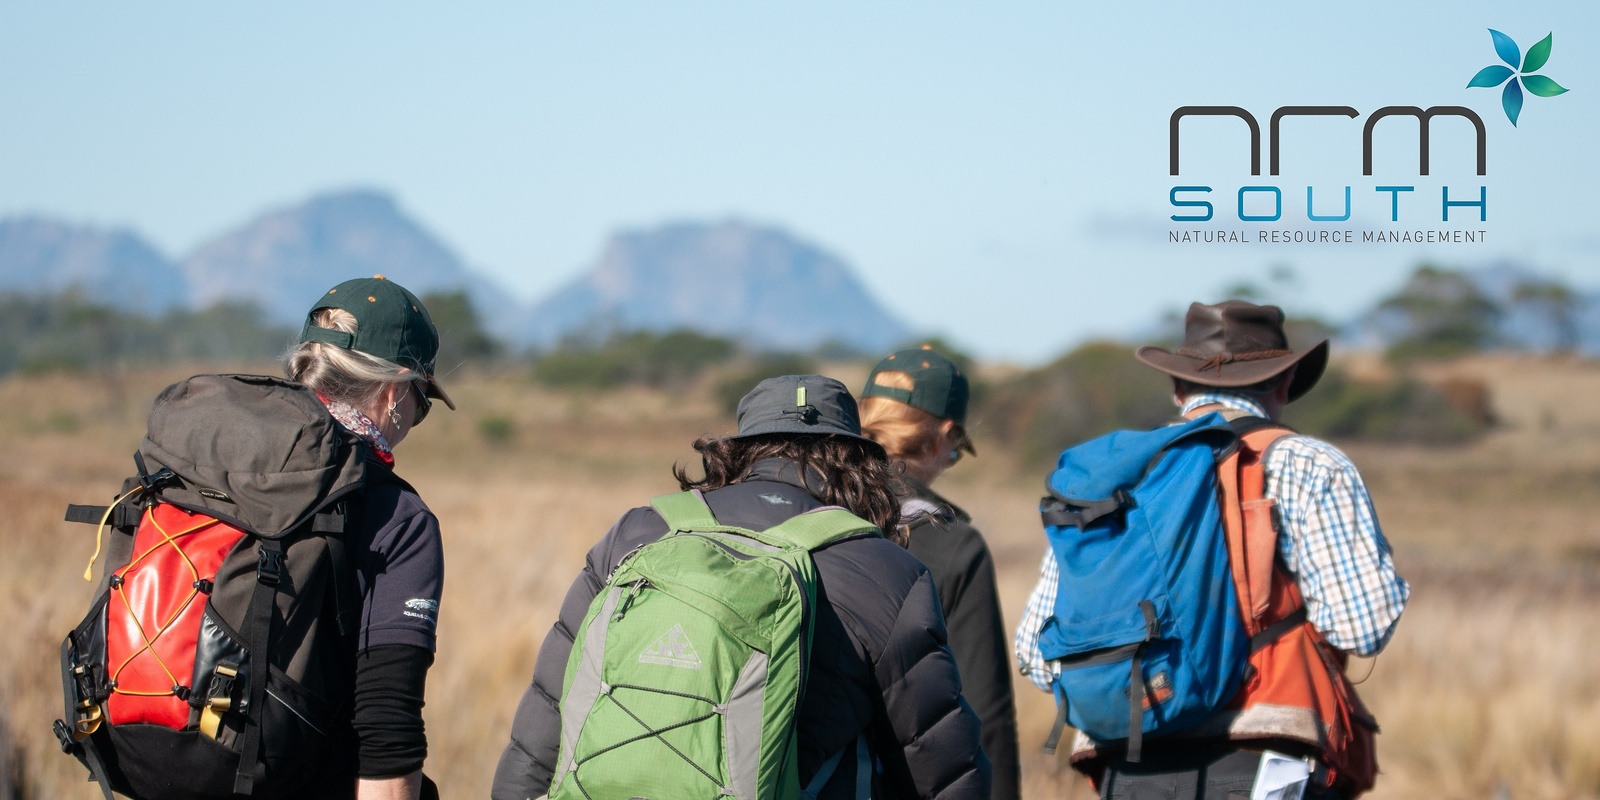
(1235, 343)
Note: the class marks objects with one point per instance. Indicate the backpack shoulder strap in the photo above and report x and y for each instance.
(686, 511)
(1247, 516)
(821, 526)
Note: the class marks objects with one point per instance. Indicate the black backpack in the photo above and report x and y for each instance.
(216, 658)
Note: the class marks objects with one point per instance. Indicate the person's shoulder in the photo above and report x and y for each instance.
(952, 540)
(870, 561)
(388, 499)
(913, 491)
(637, 526)
(1307, 454)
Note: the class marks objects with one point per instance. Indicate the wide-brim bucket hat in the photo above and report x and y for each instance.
(1234, 344)
(800, 405)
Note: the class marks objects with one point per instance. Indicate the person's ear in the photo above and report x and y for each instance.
(1281, 394)
(393, 393)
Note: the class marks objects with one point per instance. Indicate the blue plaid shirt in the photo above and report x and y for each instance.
(1330, 541)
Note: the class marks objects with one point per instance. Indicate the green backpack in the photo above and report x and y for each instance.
(685, 677)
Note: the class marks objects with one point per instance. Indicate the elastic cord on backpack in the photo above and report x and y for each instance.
(88, 571)
(170, 540)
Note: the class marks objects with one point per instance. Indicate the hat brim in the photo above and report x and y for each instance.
(437, 392)
(1312, 362)
(799, 429)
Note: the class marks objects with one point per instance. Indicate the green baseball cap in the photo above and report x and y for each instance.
(937, 384)
(391, 324)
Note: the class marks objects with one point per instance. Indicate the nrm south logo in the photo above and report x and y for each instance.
(1519, 75)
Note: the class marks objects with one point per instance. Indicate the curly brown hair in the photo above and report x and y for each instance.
(855, 473)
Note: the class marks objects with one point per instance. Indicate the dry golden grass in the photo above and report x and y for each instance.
(1490, 683)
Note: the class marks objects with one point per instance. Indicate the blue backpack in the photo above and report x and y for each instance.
(1146, 636)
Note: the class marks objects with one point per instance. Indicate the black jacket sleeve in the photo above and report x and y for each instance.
(936, 731)
(529, 759)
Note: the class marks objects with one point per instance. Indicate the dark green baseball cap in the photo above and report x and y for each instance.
(813, 405)
(937, 384)
(391, 324)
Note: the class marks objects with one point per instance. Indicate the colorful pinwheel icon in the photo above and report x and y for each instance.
(1515, 77)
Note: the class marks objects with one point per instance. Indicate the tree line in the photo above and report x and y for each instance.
(1096, 387)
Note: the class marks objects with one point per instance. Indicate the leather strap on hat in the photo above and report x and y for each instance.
(1216, 360)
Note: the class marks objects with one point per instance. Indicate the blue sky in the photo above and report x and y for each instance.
(999, 176)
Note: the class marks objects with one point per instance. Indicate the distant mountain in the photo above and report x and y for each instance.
(285, 259)
(113, 267)
(760, 285)
(757, 284)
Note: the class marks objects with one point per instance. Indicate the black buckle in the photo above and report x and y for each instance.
(152, 482)
(269, 567)
(83, 676)
(63, 733)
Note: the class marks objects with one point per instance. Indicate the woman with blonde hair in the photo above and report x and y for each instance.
(915, 406)
(367, 349)
(276, 584)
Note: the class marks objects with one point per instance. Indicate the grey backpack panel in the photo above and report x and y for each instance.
(265, 448)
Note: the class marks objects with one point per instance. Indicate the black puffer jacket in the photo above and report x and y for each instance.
(942, 537)
(879, 663)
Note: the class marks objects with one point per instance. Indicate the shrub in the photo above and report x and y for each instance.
(462, 339)
(1399, 410)
(1443, 315)
(1097, 388)
(668, 360)
(496, 430)
(1100, 387)
(735, 385)
(65, 332)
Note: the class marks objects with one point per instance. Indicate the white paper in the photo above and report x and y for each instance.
(1280, 778)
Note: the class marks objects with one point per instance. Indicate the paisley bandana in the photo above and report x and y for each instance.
(361, 425)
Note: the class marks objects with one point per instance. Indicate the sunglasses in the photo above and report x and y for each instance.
(424, 404)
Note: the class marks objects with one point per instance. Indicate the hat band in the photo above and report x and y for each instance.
(315, 333)
(806, 413)
(1216, 360)
(891, 392)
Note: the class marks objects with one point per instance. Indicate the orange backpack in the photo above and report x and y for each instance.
(1296, 686)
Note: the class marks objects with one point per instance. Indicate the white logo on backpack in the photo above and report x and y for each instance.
(673, 649)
